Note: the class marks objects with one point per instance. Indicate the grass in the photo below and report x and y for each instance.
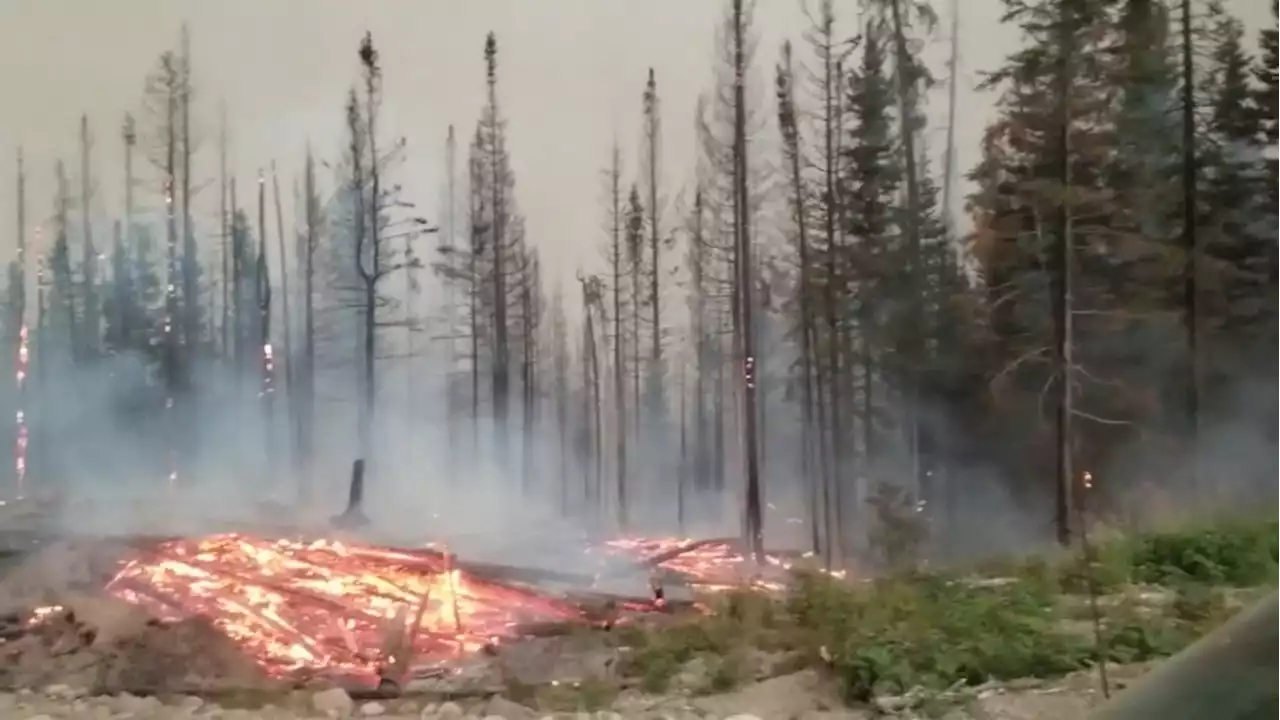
(937, 631)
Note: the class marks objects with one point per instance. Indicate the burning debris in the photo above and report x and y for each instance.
(705, 565)
(328, 607)
(360, 614)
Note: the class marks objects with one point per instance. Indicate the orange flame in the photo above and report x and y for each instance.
(325, 606)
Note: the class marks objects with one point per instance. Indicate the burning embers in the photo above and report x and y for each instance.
(330, 607)
(302, 609)
(708, 565)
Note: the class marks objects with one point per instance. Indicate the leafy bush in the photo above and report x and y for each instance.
(1238, 554)
(934, 630)
(738, 620)
(897, 634)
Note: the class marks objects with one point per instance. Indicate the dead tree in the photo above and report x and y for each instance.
(18, 325)
(190, 252)
(787, 122)
(652, 153)
(287, 359)
(615, 251)
(753, 510)
(497, 162)
(224, 229)
(89, 264)
(307, 384)
(592, 308)
(262, 296)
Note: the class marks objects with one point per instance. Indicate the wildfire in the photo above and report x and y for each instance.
(301, 608)
(328, 606)
(711, 565)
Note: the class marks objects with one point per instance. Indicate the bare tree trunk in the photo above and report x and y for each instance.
(1063, 310)
(92, 320)
(790, 131)
(682, 477)
(948, 171)
(451, 394)
(836, 342)
(620, 403)
(190, 263)
(473, 302)
(502, 359)
(374, 273)
(652, 130)
(291, 409)
(20, 350)
(1189, 244)
(171, 262)
(307, 392)
(264, 319)
(754, 516)
(224, 228)
(905, 72)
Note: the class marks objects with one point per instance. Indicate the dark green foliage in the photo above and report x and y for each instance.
(902, 633)
(1242, 555)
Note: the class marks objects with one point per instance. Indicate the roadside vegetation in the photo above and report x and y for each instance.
(915, 631)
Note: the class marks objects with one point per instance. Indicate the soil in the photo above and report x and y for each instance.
(798, 696)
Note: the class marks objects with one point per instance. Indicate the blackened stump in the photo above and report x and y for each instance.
(354, 515)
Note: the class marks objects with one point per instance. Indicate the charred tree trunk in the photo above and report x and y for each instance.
(224, 232)
(291, 409)
(92, 307)
(906, 79)
(1190, 246)
(1062, 290)
(619, 387)
(791, 139)
(754, 516)
(307, 391)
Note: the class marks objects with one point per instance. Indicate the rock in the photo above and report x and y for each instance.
(63, 692)
(449, 711)
(373, 709)
(40, 717)
(334, 703)
(428, 712)
(508, 709)
(190, 703)
(742, 717)
(139, 706)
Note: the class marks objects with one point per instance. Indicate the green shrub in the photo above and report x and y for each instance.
(1238, 554)
(897, 634)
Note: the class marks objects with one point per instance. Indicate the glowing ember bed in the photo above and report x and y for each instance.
(326, 606)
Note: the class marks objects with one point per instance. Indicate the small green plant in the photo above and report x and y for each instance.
(738, 620)
(1239, 554)
(897, 634)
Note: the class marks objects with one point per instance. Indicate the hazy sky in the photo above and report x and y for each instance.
(571, 77)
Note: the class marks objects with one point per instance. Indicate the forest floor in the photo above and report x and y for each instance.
(1009, 640)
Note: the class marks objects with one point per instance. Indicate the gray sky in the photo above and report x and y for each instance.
(571, 77)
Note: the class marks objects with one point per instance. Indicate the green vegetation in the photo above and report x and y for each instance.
(1158, 593)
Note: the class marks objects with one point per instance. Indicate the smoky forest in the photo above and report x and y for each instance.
(810, 328)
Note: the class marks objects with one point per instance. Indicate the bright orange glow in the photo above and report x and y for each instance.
(326, 606)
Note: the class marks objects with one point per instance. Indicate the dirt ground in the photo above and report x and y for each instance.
(798, 696)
